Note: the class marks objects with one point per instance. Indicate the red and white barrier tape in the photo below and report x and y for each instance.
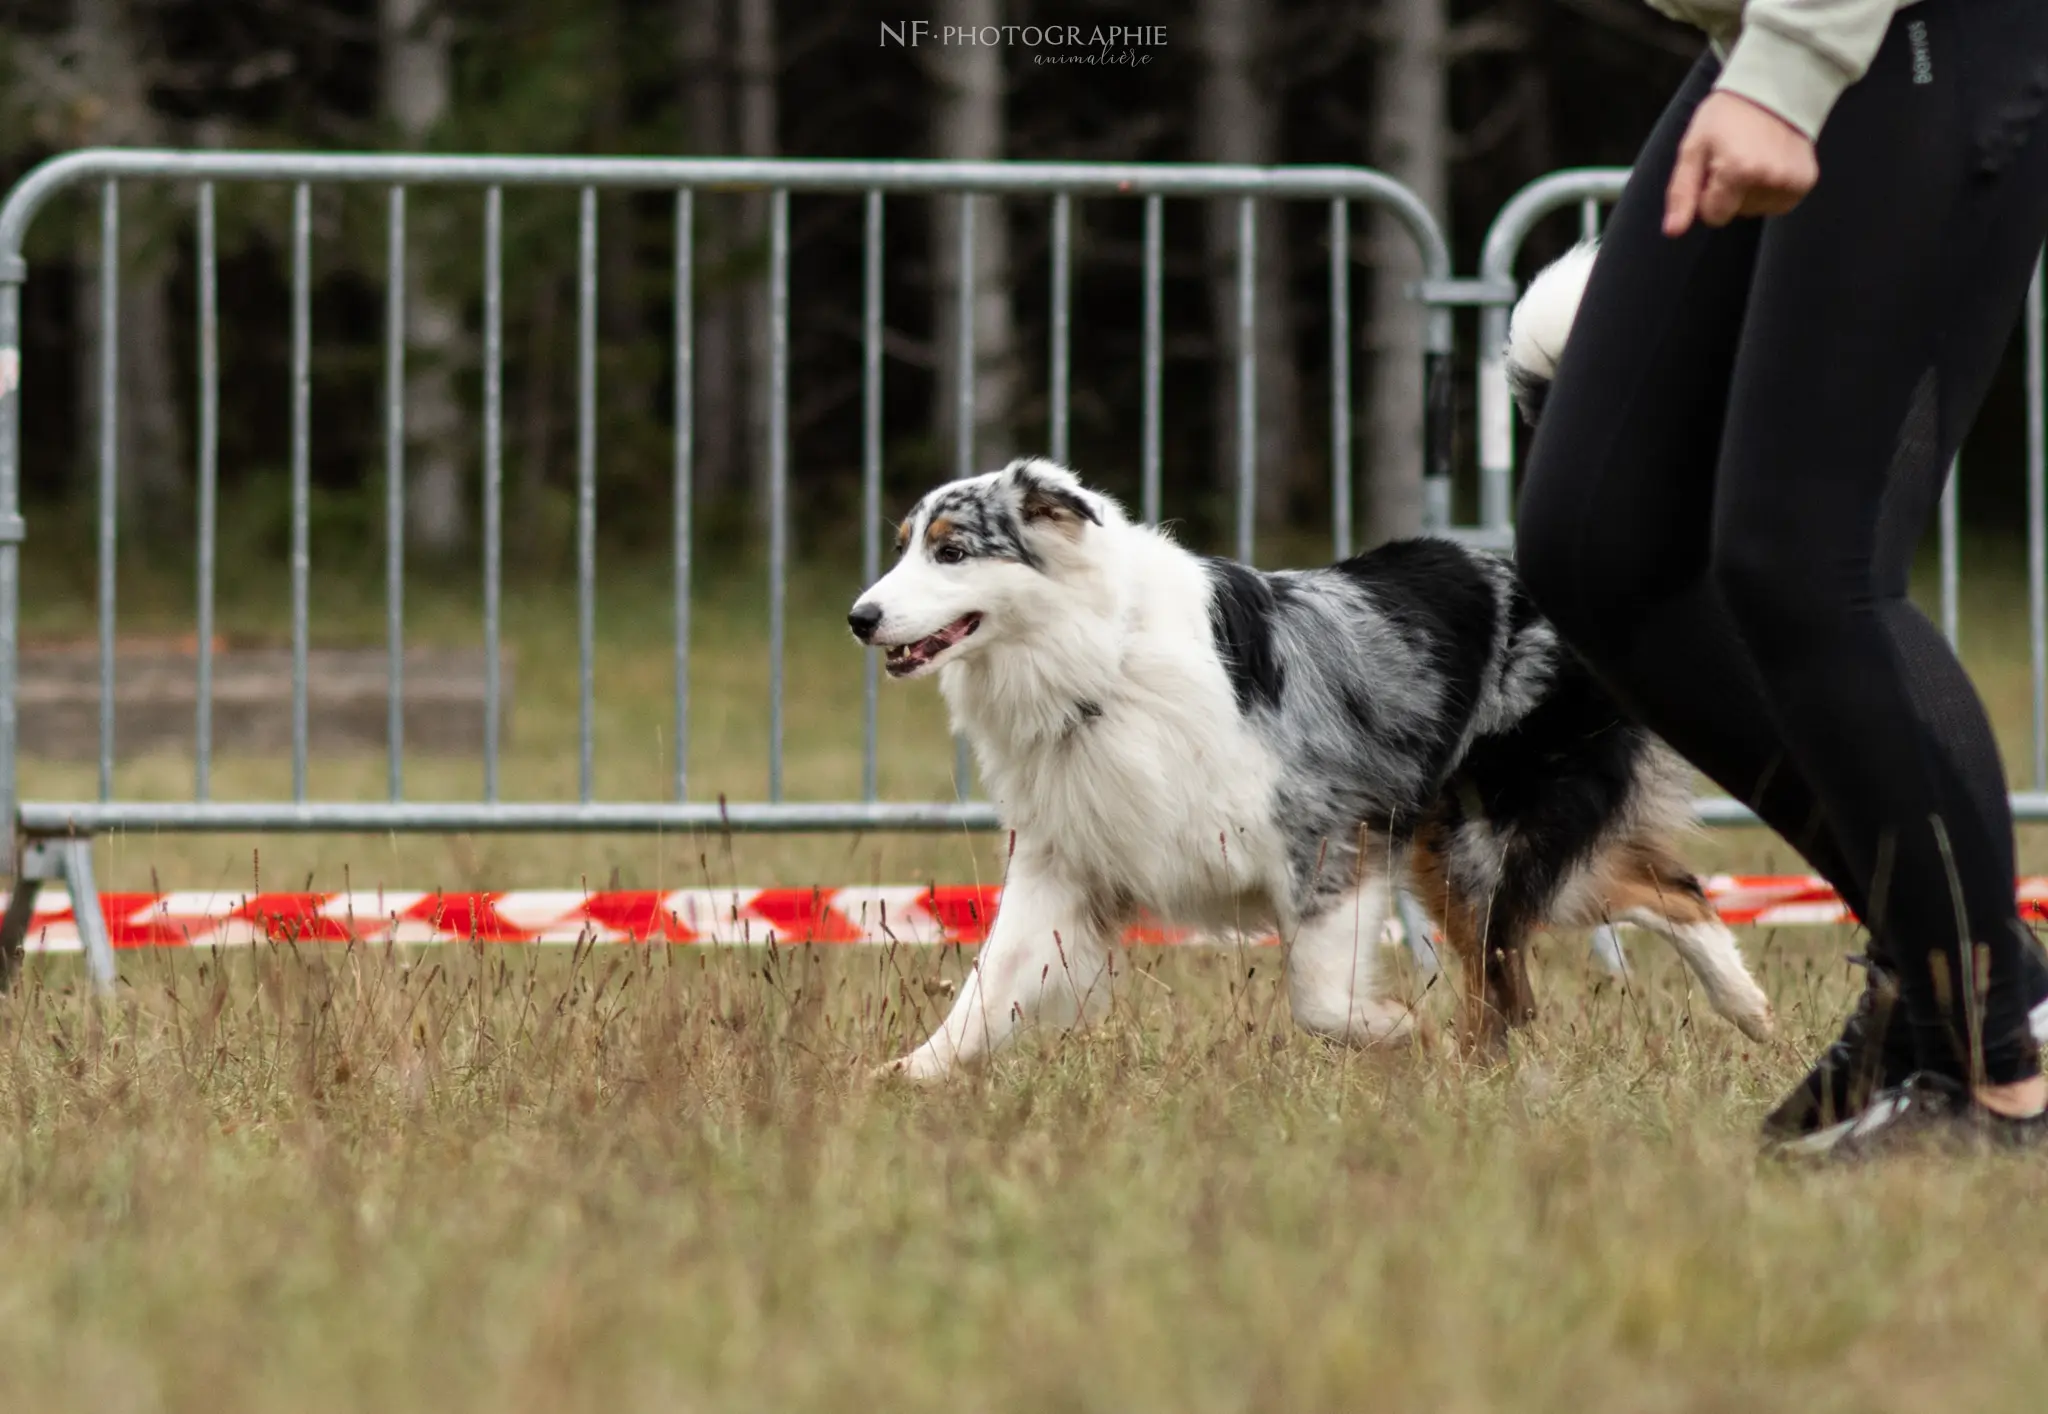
(910, 914)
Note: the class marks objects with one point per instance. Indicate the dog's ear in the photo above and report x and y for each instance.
(1050, 502)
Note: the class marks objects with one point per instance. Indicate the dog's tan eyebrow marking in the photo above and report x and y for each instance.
(938, 530)
(902, 537)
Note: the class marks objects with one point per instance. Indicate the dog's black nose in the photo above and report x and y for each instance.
(864, 620)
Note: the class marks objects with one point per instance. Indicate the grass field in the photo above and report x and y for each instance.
(514, 1180)
(658, 1181)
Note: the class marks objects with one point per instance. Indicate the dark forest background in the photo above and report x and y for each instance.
(1465, 100)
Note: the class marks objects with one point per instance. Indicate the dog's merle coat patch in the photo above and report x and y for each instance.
(1241, 621)
(1413, 661)
(973, 525)
(974, 520)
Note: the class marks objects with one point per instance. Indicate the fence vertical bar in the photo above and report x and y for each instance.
(2037, 518)
(12, 271)
(1340, 377)
(963, 410)
(778, 473)
(1247, 375)
(870, 475)
(209, 490)
(302, 467)
(586, 491)
(1063, 186)
(1155, 240)
(1496, 416)
(1589, 218)
(685, 320)
(110, 459)
(1062, 275)
(494, 480)
(394, 492)
(1950, 565)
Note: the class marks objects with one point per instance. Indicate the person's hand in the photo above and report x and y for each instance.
(1737, 159)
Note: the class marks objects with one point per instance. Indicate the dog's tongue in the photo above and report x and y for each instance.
(951, 634)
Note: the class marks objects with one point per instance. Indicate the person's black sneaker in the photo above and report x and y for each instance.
(1929, 1113)
(1870, 1054)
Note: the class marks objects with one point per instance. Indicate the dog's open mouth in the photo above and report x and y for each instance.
(909, 657)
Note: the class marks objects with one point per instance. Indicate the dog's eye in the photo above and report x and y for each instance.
(949, 554)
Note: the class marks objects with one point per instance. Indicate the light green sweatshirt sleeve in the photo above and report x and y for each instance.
(1795, 57)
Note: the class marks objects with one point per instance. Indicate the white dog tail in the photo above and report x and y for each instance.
(1541, 323)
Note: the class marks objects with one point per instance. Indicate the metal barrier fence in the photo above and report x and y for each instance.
(1586, 189)
(56, 835)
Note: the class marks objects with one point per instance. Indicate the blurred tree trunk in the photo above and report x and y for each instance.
(1237, 119)
(755, 54)
(628, 388)
(1410, 143)
(414, 40)
(115, 108)
(968, 123)
(707, 112)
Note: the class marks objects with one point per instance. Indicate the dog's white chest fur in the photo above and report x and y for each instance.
(1113, 746)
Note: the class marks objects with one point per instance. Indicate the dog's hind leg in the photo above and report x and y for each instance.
(1333, 972)
(1644, 885)
(1047, 961)
(1489, 936)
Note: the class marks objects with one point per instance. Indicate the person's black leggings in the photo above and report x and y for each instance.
(1747, 434)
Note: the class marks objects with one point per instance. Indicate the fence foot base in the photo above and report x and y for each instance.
(67, 862)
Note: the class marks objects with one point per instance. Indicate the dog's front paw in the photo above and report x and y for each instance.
(919, 1067)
